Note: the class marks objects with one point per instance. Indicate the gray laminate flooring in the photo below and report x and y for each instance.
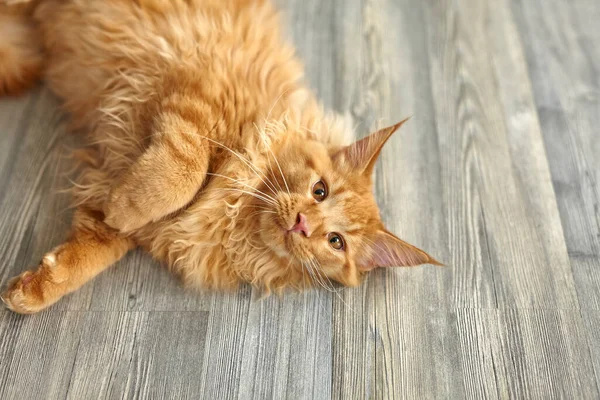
(496, 175)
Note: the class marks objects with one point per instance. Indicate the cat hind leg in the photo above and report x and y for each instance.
(92, 247)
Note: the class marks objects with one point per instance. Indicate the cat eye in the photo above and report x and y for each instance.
(336, 241)
(319, 191)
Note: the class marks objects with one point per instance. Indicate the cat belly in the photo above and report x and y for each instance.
(101, 49)
(109, 61)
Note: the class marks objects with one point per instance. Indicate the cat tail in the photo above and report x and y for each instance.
(21, 56)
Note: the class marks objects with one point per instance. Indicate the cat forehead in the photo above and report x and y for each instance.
(353, 208)
(315, 155)
(303, 157)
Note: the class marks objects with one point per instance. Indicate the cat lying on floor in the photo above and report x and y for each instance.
(205, 148)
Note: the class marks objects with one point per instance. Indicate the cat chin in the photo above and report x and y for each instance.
(293, 242)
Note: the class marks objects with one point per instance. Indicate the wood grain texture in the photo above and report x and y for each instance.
(592, 324)
(563, 54)
(528, 268)
(545, 355)
(496, 175)
(562, 48)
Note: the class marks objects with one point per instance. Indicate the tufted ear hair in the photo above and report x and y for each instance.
(386, 250)
(362, 154)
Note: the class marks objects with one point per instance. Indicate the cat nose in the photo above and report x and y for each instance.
(301, 225)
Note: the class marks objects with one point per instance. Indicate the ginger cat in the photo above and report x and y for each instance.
(205, 148)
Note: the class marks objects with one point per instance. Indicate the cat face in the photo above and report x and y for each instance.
(325, 217)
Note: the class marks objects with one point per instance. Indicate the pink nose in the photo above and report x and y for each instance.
(301, 225)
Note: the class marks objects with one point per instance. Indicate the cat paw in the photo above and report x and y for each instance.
(25, 293)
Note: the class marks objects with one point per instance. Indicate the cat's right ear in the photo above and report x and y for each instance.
(383, 249)
(362, 154)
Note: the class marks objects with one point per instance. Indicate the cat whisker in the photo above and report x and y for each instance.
(253, 194)
(317, 276)
(336, 291)
(263, 210)
(273, 173)
(280, 170)
(256, 214)
(262, 135)
(321, 275)
(275, 103)
(311, 274)
(258, 207)
(281, 173)
(253, 167)
(241, 183)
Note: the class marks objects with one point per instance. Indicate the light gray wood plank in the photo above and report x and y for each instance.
(226, 325)
(545, 355)
(391, 86)
(526, 146)
(270, 348)
(563, 55)
(591, 319)
(13, 120)
(287, 348)
(102, 354)
(529, 269)
(587, 277)
(37, 354)
(169, 356)
(108, 357)
(139, 283)
(139, 355)
(407, 183)
(423, 353)
(475, 338)
(353, 343)
(410, 357)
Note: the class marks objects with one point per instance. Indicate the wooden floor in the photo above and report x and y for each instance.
(496, 175)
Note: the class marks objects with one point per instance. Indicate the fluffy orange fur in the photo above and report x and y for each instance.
(205, 148)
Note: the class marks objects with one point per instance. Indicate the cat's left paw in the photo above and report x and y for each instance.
(32, 291)
(23, 294)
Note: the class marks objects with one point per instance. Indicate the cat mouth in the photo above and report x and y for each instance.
(282, 225)
(293, 245)
(284, 239)
(284, 231)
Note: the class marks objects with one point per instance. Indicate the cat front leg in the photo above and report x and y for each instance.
(92, 247)
(163, 180)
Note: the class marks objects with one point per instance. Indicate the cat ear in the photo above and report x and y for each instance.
(362, 154)
(386, 250)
